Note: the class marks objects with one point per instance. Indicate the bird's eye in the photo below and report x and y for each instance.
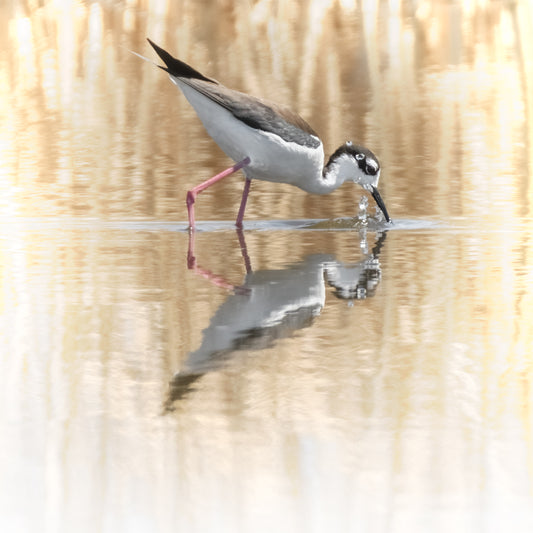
(372, 167)
(359, 157)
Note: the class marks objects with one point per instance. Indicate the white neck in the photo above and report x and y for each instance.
(337, 171)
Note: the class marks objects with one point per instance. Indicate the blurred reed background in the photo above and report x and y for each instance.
(435, 88)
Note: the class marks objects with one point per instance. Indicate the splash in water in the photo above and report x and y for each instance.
(362, 215)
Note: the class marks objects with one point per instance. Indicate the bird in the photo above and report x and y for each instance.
(267, 141)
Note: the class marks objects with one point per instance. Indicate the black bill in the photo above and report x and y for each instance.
(381, 203)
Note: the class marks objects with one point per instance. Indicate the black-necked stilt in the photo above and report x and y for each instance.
(268, 142)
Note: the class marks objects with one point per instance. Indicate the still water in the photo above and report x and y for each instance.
(296, 376)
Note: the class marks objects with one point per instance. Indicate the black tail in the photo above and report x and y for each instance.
(177, 68)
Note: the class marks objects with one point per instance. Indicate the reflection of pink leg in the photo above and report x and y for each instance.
(193, 193)
(245, 192)
(244, 250)
(191, 258)
(219, 281)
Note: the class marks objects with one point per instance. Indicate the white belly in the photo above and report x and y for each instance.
(272, 158)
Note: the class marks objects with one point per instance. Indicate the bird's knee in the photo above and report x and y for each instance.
(191, 198)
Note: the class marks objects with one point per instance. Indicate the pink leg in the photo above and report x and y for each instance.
(193, 193)
(245, 192)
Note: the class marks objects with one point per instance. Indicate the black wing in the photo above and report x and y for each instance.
(254, 112)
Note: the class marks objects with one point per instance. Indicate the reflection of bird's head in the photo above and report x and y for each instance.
(356, 282)
(364, 288)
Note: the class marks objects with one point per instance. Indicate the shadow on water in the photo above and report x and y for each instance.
(272, 305)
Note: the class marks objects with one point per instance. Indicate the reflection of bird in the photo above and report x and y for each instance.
(268, 142)
(270, 305)
(274, 304)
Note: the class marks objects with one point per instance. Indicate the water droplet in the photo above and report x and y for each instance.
(363, 210)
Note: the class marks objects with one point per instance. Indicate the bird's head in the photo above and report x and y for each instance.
(358, 164)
